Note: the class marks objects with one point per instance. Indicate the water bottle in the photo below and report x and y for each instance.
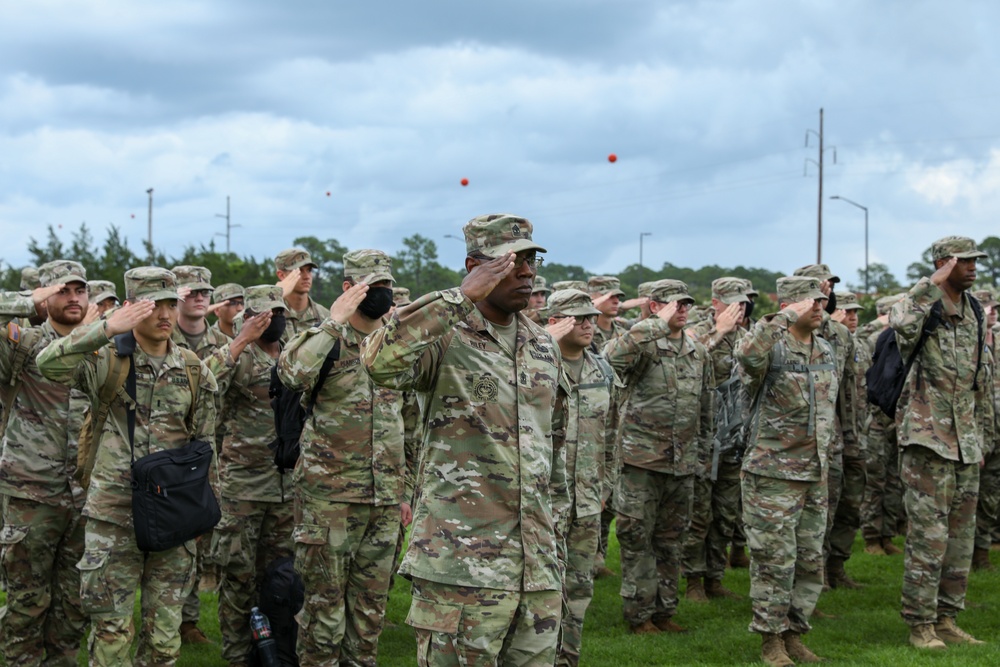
(260, 631)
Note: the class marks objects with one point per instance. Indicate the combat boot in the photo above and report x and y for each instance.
(889, 548)
(948, 632)
(796, 650)
(695, 590)
(838, 575)
(873, 547)
(644, 628)
(715, 589)
(602, 571)
(738, 558)
(981, 560)
(772, 651)
(666, 624)
(192, 634)
(923, 636)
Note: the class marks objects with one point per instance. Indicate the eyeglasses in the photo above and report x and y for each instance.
(529, 256)
(580, 319)
(681, 305)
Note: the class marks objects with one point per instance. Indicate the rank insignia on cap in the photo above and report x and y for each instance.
(515, 230)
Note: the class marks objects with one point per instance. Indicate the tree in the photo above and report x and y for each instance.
(53, 249)
(880, 280)
(417, 268)
(991, 263)
(329, 274)
(925, 267)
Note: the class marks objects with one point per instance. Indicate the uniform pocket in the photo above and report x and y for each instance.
(310, 550)
(227, 542)
(95, 594)
(440, 617)
(12, 535)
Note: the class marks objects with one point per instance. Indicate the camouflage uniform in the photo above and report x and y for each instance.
(941, 444)
(348, 485)
(570, 284)
(112, 567)
(989, 475)
(42, 536)
(225, 292)
(401, 297)
(492, 486)
(257, 513)
(538, 316)
(101, 290)
(667, 429)
(786, 463)
(313, 314)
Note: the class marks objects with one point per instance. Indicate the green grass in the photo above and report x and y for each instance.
(867, 631)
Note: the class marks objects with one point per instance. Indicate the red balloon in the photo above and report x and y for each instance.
(465, 182)
(133, 216)
(612, 158)
(327, 194)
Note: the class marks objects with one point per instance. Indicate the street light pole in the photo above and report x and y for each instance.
(149, 237)
(865, 209)
(641, 235)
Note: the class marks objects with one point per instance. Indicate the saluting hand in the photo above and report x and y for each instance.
(839, 315)
(561, 327)
(598, 301)
(667, 312)
(941, 275)
(41, 294)
(128, 316)
(287, 284)
(634, 303)
(348, 302)
(93, 314)
(729, 318)
(799, 308)
(481, 280)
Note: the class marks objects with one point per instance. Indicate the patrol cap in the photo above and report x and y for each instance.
(985, 297)
(193, 277)
(604, 285)
(961, 247)
(29, 278)
(540, 286)
(848, 301)
(819, 271)
(401, 296)
(61, 271)
(885, 304)
(101, 290)
(262, 298)
(668, 290)
(369, 266)
(570, 284)
(730, 290)
(570, 302)
(293, 258)
(150, 282)
(750, 291)
(646, 288)
(498, 233)
(227, 291)
(792, 289)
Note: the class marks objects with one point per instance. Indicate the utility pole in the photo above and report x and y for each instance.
(819, 163)
(229, 224)
(641, 270)
(149, 237)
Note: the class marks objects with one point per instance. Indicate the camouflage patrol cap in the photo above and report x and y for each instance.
(750, 291)
(730, 290)
(29, 278)
(262, 298)
(227, 291)
(540, 286)
(293, 258)
(570, 302)
(985, 297)
(150, 282)
(646, 288)
(819, 271)
(498, 233)
(369, 266)
(604, 285)
(885, 303)
(961, 247)
(792, 289)
(61, 271)
(848, 301)
(668, 290)
(101, 290)
(569, 284)
(401, 296)
(193, 277)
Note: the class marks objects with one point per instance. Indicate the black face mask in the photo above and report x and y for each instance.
(274, 330)
(747, 309)
(831, 303)
(377, 302)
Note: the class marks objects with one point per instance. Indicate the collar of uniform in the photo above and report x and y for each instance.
(686, 346)
(950, 309)
(291, 314)
(173, 358)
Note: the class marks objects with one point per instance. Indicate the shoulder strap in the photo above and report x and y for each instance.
(25, 342)
(324, 373)
(192, 367)
(977, 309)
(118, 370)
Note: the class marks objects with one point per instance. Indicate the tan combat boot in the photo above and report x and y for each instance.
(838, 575)
(889, 548)
(796, 650)
(738, 558)
(873, 547)
(695, 590)
(948, 632)
(644, 628)
(923, 637)
(192, 634)
(666, 624)
(981, 560)
(773, 653)
(715, 589)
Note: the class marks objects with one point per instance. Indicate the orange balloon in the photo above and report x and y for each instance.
(465, 182)
(612, 158)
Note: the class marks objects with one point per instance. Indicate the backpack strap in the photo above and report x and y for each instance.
(192, 367)
(977, 309)
(26, 340)
(324, 372)
(114, 384)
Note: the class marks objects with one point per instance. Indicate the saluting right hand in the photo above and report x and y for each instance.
(287, 284)
(348, 302)
(667, 312)
(941, 275)
(561, 327)
(799, 308)
(729, 318)
(634, 303)
(40, 294)
(128, 316)
(481, 280)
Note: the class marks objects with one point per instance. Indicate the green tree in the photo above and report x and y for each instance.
(990, 265)
(417, 268)
(328, 278)
(52, 250)
(925, 267)
(880, 280)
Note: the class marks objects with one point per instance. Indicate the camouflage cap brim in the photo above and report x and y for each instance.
(677, 297)
(541, 290)
(851, 306)
(198, 286)
(515, 246)
(573, 310)
(734, 298)
(101, 296)
(975, 254)
(159, 295)
(300, 264)
(72, 278)
(375, 277)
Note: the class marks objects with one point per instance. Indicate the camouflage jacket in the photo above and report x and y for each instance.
(583, 428)
(840, 338)
(215, 328)
(721, 348)
(210, 342)
(492, 486)
(163, 401)
(602, 337)
(937, 408)
(40, 443)
(246, 465)
(352, 445)
(795, 425)
(986, 398)
(667, 425)
(298, 321)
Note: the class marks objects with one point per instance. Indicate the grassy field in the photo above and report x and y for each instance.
(867, 629)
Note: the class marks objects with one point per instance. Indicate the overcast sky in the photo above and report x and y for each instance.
(388, 105)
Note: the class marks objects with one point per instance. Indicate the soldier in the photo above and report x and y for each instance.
(227, 303)
(42, 534)
(104, 295)
(606, 293)
(349, 478)
(167, 415)
(667, 428)
(257, 511)
(539, 293)
(940, 443)
(295, 269)
(790, 374)
(30, 282)
(570, 284)
(490, 377)
(584, 429)
(716, 501)
(400, 297)
(989, 474)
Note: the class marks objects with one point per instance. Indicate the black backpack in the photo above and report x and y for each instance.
(281, 596)
(887, 375)
(290, 415)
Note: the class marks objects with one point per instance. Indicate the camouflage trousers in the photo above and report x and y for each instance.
(834, 486)
(42, 622)
(847, 516)
(111, 570)
(940, 498)
(653, 513)
(714, 516)
(785, 522)
(882, 506)
(203, 562)
(344, 552)
(250, 535)
(989, 500)
(483, 627)
(578, 585)
(693, 555)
